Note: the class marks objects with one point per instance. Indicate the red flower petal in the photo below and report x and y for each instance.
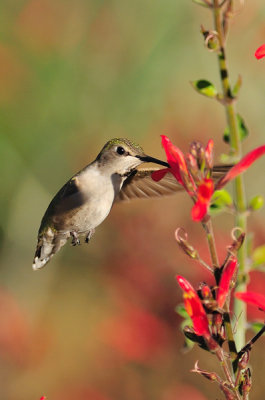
(159, 174)
(260, 52)
(175, 159)
(198, 211)
(241, 166)
(226, 278)
(194, 308)
(257, 299)
(204, 194)
(205, 190)
(173, 153)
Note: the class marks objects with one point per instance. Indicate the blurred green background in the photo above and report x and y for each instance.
(98, 323)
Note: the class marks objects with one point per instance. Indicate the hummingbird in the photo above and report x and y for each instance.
(87, 198)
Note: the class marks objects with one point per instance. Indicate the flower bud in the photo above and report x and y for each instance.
(212, 376)
(209, 154)
(246, 382)
(243, 361)
(237, 241)
(217, 322)
(256, 203)
(185, 246)
(205, 292)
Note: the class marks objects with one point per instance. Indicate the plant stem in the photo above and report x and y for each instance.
(235, 147)
(208, 227)
(221, 358)
(230, 337)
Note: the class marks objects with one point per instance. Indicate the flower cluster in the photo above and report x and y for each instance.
(192, 172)
(206, 307)
(207, 310)
(196, 172)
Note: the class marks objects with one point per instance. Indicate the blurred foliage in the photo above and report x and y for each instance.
(99, 323)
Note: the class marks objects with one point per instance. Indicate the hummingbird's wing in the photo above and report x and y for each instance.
(140, 184)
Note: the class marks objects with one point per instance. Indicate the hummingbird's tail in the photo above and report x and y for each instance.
(48, 244)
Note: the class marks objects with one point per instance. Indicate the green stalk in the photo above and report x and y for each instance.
(208, 227)
(235, 146)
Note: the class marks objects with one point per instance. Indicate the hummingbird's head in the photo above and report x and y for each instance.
(122, 155)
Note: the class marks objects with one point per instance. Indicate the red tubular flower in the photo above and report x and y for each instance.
(204, 194)
(225, 281)
(260, 52)
(177, 162)
(194, 308)
(257, 299)
(43, 398)
(241, 166)
(186, 176)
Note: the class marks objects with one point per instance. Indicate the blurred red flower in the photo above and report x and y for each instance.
(225, 282)
(15, 330)
(260, 52)
(241, 166)
(74, 392)
(182, 391)
(194, 308)
(256, 299)
(136, 334)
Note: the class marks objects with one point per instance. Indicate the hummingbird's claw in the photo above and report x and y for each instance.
(75, 239)
(89, 235)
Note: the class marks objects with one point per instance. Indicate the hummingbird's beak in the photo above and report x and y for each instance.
(153, 160)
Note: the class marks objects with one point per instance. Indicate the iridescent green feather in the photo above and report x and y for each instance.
(120, 141)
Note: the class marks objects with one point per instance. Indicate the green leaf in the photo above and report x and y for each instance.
(256, 326)
(200, 3)
(258, 256)
(205, 88)
(220, 200)
(256, 203)
(188, 345)
(181, 310)
(243, 130)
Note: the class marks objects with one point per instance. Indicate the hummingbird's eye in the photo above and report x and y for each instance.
(120, 150)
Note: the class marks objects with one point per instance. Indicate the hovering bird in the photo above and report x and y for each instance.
(87, 198)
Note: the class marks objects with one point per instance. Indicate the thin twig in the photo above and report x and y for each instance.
(223, 362)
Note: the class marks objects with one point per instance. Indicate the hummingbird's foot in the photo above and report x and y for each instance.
(89, 235)
(75, 240)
